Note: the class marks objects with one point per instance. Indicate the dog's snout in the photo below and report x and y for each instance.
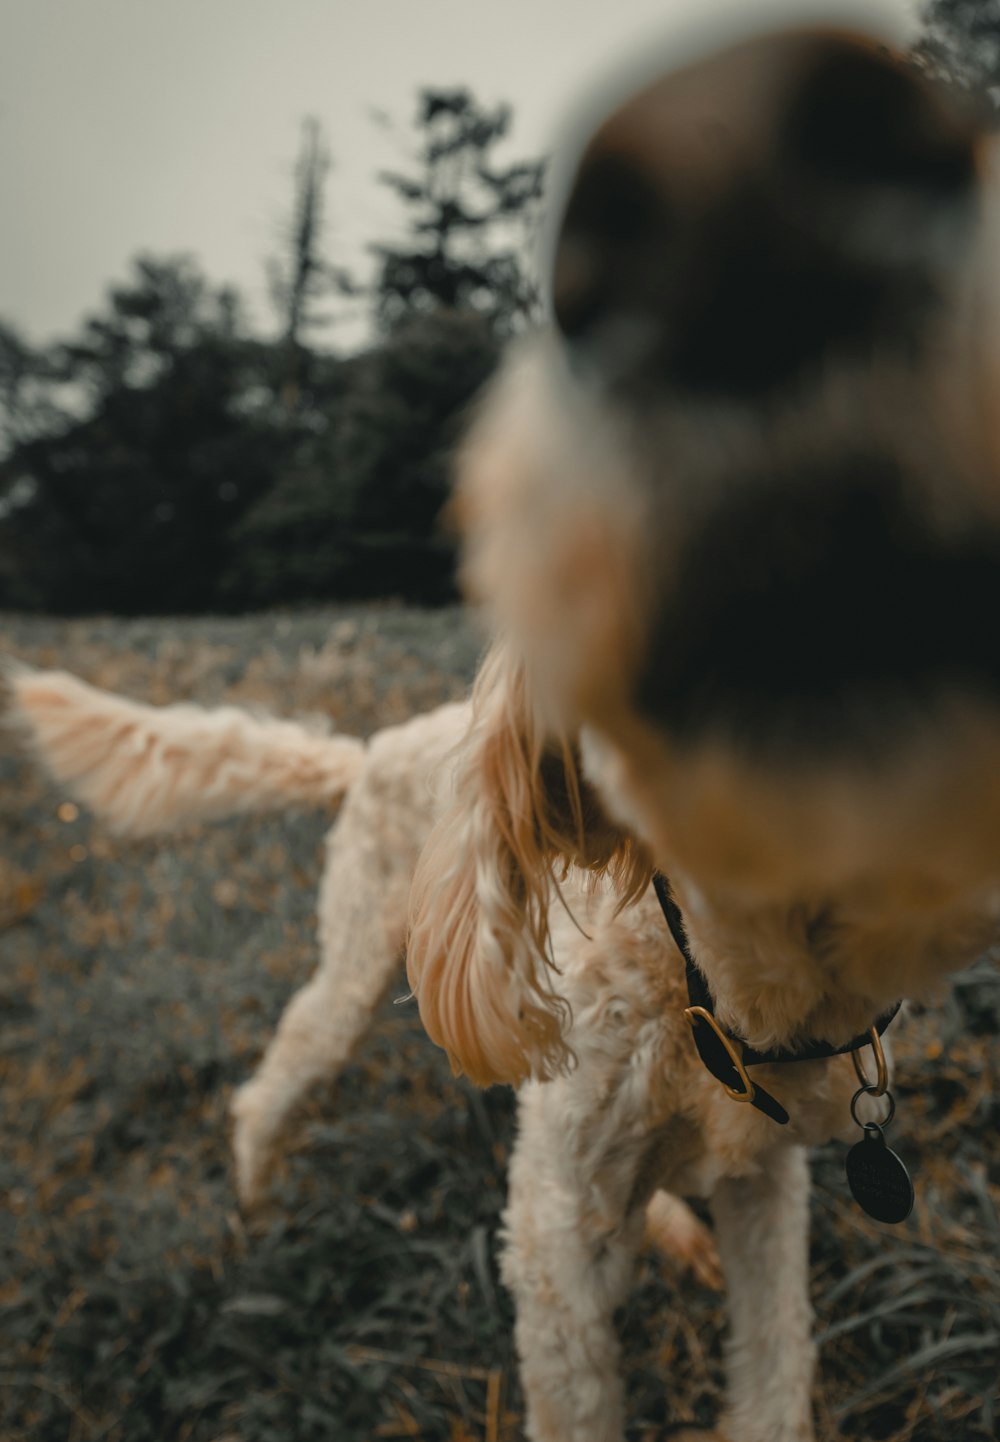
(792, 201)
(613, 251)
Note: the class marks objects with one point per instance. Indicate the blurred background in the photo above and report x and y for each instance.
(257, 258)
(256, 261)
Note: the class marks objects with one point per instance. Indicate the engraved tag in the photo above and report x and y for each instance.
(879, 1182)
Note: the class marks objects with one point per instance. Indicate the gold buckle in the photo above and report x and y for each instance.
(881, 1069)
(695, 1014)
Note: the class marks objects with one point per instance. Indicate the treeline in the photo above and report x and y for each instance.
(166, 458)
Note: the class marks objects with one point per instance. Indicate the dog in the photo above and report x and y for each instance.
(154, 770)
(732, 784)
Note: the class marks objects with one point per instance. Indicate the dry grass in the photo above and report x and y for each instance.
(137, 988)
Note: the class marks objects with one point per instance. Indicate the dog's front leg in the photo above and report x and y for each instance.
(763, 1234)
(362, 925)
(570, 1247)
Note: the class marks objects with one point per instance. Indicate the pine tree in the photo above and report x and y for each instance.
(468, 219)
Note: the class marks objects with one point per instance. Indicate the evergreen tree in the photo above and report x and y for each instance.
(961, 44)
(304, 277)
(357, 510)
(127, 500)
(468, 220)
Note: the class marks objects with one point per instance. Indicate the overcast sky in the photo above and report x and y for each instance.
(167, 125)
(172, 125)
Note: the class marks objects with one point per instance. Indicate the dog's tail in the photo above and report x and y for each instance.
(148, 769)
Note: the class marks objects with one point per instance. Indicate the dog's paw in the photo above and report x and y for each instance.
(673, 1228)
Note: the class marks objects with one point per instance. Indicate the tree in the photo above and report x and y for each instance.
(468, 220)
(127, 502)
(30, 385)
(961, 43)
(163, 459)
(304, 277)
(357, 510)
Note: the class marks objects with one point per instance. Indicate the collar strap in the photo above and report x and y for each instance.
(727, 1056)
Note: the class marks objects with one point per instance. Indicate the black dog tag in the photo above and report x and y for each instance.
(879, 1182)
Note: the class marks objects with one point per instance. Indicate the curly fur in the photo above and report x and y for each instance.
(670, 502)
(150, 770)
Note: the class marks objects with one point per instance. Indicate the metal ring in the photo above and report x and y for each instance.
(696, 1014)
(881, 1067)
(869, 1090)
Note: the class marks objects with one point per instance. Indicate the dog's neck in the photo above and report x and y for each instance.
(784, 975)
(727, 1056)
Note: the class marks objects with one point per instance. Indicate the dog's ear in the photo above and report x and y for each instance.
(478, 956)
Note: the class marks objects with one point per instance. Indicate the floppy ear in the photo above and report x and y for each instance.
(478, 954)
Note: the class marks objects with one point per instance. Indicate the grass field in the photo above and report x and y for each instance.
(138, 985)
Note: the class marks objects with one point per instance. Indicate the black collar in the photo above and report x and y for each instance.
(727, 1056)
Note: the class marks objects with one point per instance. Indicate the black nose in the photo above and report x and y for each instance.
(858, 117)
(741, 222)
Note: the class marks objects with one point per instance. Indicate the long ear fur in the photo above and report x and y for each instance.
(478, 955)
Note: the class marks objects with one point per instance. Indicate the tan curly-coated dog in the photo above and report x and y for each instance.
(153, 770)
(736, 518)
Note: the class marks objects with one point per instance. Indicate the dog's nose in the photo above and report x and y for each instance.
(756, 214)
(858, 116)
